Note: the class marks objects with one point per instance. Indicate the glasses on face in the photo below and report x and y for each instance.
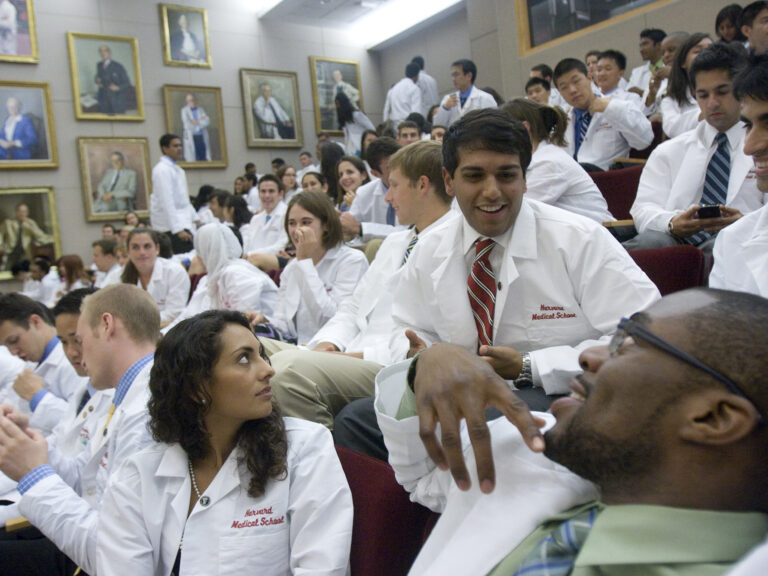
(635, 330)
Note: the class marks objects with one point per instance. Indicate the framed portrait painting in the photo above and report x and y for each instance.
(27, 132)
(18, 36)
(106, 80)
(28, 227)
(328, 77)
(185, 36)
(271, 109)
(195, 114)
(116, 177)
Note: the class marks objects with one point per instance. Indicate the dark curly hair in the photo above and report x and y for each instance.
(183, 368)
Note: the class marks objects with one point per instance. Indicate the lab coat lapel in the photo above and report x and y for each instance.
(754, 252)
(740, 167)
(174, 464)
(688, 184)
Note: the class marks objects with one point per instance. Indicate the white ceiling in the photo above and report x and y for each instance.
(325, 13)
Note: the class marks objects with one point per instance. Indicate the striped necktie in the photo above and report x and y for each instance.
(409, 248)
(556, 554)
(715, 182)
(583, 126)
(481, 288)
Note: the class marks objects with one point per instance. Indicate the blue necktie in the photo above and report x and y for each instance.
(715, 182)
(409, 248)
(390, 215)
(581, 132)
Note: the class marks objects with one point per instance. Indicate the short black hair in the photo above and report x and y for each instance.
(545, 70)
(108, 225)
(751, 11)
(273, 178)
(252, 179)
(752, 81)
(108, 246)
(719, 56)
(249, 166)
(488, 129)
(419, 61)
(278, 161)
(654, 34)
(166, 139)
(591, 53)
(568, 65)
(616, 56)
(379, 149)
(17, 308)
(305, 153)
(43, 263)
(731, 13)
(540, 81)
(221, 196)
(412, 70)
(71, 301)
(466, 66)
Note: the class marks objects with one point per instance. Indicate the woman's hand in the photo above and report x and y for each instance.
(307, 243)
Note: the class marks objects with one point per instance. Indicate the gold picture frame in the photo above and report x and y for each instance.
(41, 234)
(325, 82)
(116, 177)
(274, 121)
(210, 142)
(19, 43)
(180, 49)
(110, 91)
(34, 143)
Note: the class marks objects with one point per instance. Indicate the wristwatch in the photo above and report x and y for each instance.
(410, 377)
(525, 378)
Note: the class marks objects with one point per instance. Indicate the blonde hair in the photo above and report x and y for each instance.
(422, 158)
(133, 306)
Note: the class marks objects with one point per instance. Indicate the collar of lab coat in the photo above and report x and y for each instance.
(735, 135)
(700, 154)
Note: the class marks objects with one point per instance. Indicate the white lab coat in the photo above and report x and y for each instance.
(620, 94)
(309, 295)
(555, 178)
(301, 525)
(254, 202)
(169, 286)
(564, 283)
(611, 134)
(267, 237)
(8, 28)
(475, 531)
(363, 322)
(676, 119)
(640, 77)
(402, 99)
(429, 94)
(741, 255)
(242, 287)
(753, 564)
(188, 134)
(673, 178)
(10, 367)
(169, 205)
(556, 99)
(476, 101)
(111, 277)
(370, 209)
(353, 135)
(71, 521)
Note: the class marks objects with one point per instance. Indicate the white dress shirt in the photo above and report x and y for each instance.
(402, 99)
(267, 233)
(169, 207)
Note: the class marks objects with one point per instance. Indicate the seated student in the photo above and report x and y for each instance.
(741, 249)
(323, 274)
(316, 385)
(218, 200)
(538, 90)
(610, 69)
(371, 216)
(165, 280)
(612, 492)
(202, 205)
(230, 283)
(650, 52)
(545, 73)
(238, 217)
(119, 327)
(553, 177)
(657, 87)
(728, 24)
(105, 260)
(437, 133)
(679, 109)
(704, 167)
(407, 132)
(601, 128)
(466, 97)
(287, 175)
(351, 173)
(590, 61)
(27, 329)
(252, 194)
(267, 234)
(754, 25)
(71, 273)
(305, 159)
(269, 493)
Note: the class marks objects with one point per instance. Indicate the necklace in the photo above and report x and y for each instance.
(204, 500)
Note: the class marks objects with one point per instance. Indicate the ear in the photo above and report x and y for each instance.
(716, 418)
(108, 324)
(448, 183)
(423, 184)
(35, 321)
(745, 30)
(376, 173)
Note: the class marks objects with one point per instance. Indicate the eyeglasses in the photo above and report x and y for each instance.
(637, 331)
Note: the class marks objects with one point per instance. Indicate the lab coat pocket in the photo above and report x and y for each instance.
(265, 553)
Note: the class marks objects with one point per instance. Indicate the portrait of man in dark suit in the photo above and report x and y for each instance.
(113, 82)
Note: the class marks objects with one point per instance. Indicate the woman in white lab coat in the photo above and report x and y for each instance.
(553, 176)
(232, 488)
(353, 122)
(324, 273)
(165, 280)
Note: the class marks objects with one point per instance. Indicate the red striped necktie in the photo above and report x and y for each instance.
(481, 288)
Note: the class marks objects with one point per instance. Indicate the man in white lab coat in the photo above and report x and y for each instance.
(741, 250)
(651, 53)
(118, 327)
(403, 98)
(466, 97)
(704, 167)
(428, 86)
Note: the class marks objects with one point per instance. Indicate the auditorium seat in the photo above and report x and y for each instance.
(658, 138)
(388, 528)
(673, 268)
(619, 188)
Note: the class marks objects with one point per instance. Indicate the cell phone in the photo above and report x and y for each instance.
(709, 211)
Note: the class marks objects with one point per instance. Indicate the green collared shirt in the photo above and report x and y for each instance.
(655, 67)
(631, 540)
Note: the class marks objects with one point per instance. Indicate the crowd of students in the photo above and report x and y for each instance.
(174, 409)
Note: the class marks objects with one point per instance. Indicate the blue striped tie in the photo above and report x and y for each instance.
(715, 182)
(408, 250)
(581, 133)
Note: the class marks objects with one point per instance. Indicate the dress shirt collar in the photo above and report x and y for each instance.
(49, 348)
(470, 236)
(735, 135)
(168, 159)
(466, 94)
(130, 375)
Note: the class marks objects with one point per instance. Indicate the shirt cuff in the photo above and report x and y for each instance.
(34, 476)
(35, 400)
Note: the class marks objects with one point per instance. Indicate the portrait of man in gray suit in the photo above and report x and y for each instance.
(117, 190)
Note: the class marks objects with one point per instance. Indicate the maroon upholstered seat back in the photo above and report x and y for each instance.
(673, 268)
(619, 188)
